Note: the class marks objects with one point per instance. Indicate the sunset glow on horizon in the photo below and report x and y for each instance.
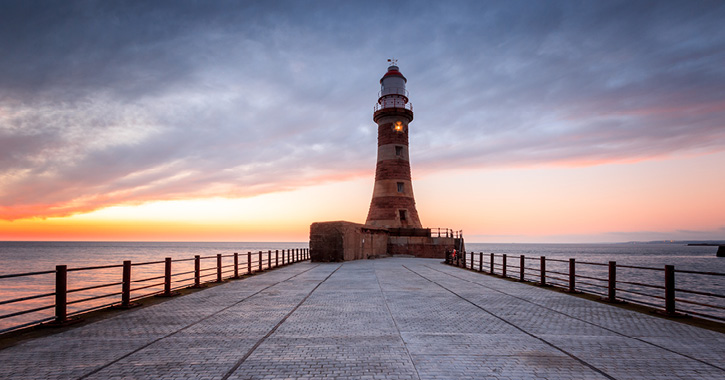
(551, 122)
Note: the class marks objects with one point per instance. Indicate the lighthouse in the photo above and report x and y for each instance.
(393, 203)
(392, 226)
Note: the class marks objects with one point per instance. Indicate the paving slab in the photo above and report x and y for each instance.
(393, 318)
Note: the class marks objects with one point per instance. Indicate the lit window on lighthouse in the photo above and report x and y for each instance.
(399, 126)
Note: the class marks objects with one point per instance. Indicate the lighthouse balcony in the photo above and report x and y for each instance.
(393, 103)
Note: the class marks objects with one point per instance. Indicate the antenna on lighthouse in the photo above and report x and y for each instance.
(393, 61)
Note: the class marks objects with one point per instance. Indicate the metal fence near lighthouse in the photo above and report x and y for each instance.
(658, 288)
(73, 295)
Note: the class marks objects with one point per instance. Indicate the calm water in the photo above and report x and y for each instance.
(21, 257)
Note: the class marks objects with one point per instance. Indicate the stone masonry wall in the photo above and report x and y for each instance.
(345, 241)
(428, 247)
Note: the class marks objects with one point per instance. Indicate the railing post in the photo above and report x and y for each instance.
(61, 293)
(522, 263)
(218, 267)
(491, 262)
(126, 286)
(269, 259)
(543, 270)
(197, 271)
(480, 261)
(236, 265)
(504, 266)
(276, 257)
(260, 261)
(670, 289)
(612, 286)
(167, 282)
(572, 276)
(249, 262)
(167, 276)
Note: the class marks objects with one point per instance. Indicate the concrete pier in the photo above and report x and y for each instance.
(393, 318)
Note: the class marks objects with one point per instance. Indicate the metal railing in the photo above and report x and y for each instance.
(152, 281)
(445, 232)
(394, 104)
(652, 287)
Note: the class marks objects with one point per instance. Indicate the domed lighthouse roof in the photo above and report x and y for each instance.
(393, 71)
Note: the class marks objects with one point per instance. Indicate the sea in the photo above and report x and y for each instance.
(25, 257)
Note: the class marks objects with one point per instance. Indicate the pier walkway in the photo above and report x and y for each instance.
(394, 318)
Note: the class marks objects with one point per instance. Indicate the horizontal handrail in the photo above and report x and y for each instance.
(147, 263)
(505, 265)
(25, 312)
(93, 298)
(700, 293)
(590, 263)
(25, 274)
(638, 267)
(148, 279)
(702, 273)
(92, 287)
(170, 281)
(26, 298)
(699, 303)
(94, 268)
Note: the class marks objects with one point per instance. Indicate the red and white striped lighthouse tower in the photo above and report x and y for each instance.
(393, 204)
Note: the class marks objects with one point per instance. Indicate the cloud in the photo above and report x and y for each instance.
(110, 103)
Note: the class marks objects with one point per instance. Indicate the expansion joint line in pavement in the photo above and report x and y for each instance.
(599, 371)
(579, 319)
(190, 325)
(259, 342)
(396, 326)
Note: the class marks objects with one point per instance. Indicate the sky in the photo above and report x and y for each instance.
(556, 121)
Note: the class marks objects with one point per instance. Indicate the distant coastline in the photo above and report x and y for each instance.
(688, 242)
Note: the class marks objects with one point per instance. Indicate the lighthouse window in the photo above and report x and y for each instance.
(402, 214)
(400, 187)
(398, 150)
(399, 126)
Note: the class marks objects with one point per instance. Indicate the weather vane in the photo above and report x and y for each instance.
(393, 61)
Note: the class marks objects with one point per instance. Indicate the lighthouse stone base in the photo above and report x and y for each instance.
(346, 241)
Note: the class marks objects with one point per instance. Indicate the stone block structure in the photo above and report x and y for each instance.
(345, 241)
